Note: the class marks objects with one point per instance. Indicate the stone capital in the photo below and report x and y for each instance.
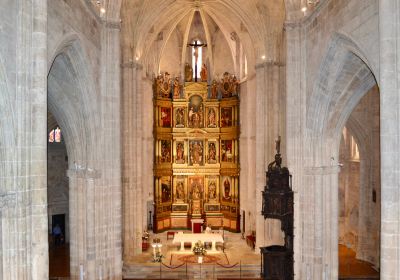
(113, 24)
(269, 63)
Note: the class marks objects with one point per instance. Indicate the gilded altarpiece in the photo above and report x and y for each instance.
(196, 172)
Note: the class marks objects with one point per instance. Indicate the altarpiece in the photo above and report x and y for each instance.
(196, 165)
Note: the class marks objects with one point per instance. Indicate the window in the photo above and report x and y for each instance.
(55, 135)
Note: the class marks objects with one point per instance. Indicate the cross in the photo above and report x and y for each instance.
(196, 45)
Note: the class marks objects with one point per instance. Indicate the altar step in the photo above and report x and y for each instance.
(192, 271)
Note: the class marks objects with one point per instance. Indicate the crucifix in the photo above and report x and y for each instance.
(196, 45)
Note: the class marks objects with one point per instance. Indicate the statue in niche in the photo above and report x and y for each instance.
(234, 86)
(180, 153)
(180, 117)
(180, 191)
(196, 152)
(188, 73)
(214, 90)
(165, 192)
(212, 153)
(195, 115)
(203, 73)
(227, 189)
(196, 185)
(165, 151)
(177, 88)
(212, 190)
(212, 122)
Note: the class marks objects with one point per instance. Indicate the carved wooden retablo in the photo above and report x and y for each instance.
(196, 141)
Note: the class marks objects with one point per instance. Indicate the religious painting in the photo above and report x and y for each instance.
(196, 187)
(180, 207)
(211, 207)
(180, 117)
(212, 152)
(165, 189)
(211, 117)
(226, 151)
(195, 115)
(196, 152)
(180, 189)
(226, 188)
(165, 117)
(226, 116)
(212, 188)
(180, 152)
(165, 151)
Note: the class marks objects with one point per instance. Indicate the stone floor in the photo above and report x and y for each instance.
(243, 261)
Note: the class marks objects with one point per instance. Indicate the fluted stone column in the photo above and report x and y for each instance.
(23, 159)
(268, 112)
(132, 158)
(296, 101)
(389, 80)
(108, 262)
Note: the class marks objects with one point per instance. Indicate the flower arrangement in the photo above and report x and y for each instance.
(199, 249)
(158, 257)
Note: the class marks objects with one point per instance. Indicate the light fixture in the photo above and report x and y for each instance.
(304, 9)
(102, 10)
(263, 57)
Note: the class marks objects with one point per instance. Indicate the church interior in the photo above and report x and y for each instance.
(199, 139)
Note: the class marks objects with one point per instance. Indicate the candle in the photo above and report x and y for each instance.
(81, 272)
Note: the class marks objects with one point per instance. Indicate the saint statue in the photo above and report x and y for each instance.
(177, 88)
(203, 73)
(212, 191)
(196, 192)
(212, 153)
(180, 153)
(180, 117)
(211, 118)
(214, 90)
(180, 192)
(188, 73)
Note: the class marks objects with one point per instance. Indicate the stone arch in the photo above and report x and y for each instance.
(72, 100)
(344, 78)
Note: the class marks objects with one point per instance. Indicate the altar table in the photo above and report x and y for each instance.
(181, 237)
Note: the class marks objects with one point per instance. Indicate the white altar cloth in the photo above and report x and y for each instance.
(181, 237)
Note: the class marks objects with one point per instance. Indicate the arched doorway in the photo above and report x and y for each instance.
(344, 78)
(359, 190)
(57, 199)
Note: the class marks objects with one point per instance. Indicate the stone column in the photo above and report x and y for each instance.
(296, 101)
(109, 213)
(268, 112)
(389, 81)
(132, 160)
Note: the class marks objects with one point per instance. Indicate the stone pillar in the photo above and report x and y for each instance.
(296, 101)
(132, 161)
(23, 159)
(268, 112)
(389, 81)
(109, 214)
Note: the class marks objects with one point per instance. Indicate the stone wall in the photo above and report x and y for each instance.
(332, 59)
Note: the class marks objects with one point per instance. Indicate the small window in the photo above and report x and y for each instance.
(55, 135)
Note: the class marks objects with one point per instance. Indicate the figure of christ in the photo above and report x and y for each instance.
(195, 46)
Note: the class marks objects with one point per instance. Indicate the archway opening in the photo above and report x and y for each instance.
(58, 200)
(359, 190)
